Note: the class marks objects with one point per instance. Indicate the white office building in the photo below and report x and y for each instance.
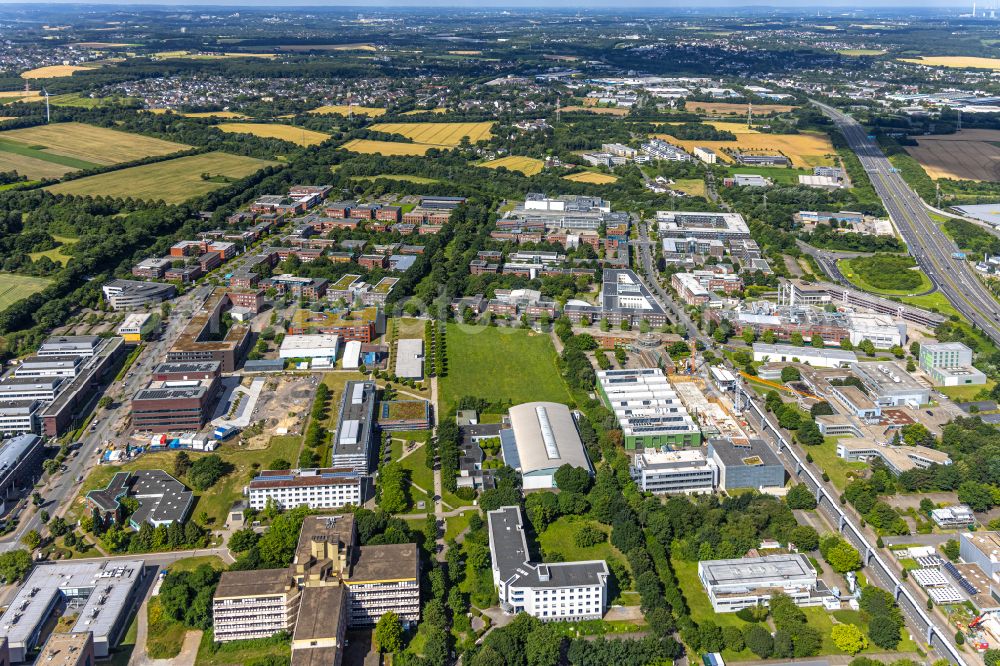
(563, 591)
(949, 364)
(674, 472)
(732, 585)
(818, 358)
(959, 515)
(310, 347)
(328, 488)
(882, 330)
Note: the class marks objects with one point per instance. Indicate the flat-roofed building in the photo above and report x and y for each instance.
(173, 405)
(20, 466)
(66, 649)
(983, 548)
(685, 471)
(162, 499)
(889, 385)
(746, 464)
(138, 326)
(898, 459)
(254, 604)
(317, 346)
(30, 388)
(50, 366)
(818, 358)
(410, 358)
(134, 294)
(647, 408)
(20, 416)
(356, 428)
(959, 515)
(152, 268)
(70, 345)
(104, 594)
(732, 585)
(718, 226)
(326, 488)
(542, 437)
(562, 591)
(949, 364)
(318, 639)
(198, 342)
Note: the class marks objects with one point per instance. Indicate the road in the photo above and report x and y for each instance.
(955, 279)
(61, 489)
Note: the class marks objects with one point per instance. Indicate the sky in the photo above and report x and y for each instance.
(569, 5)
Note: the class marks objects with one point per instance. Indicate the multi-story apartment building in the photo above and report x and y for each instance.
(567, 591)
(254, 604)
(673, 472)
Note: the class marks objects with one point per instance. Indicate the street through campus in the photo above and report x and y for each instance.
(954, 278)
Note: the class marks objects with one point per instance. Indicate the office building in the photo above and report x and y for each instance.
(951, 517)
(319, 347)
(20, 416)
(20, 467)
(355, 443)
(78, 395)
(542, 438)
(796, 292)
(709, 226)
(897, 459)
(104, 594)
(746, 464)
(818, 358)
(732, 585)
(50, 366)
(624, 297)
(982, 548)
(174, 404)
(133, 294)
(70, 345)
(162, 499)
(30, 388)
(949, 364)
(327, 488)
(685, 471)
(647, 408)
(363, 325)
(410, 358)
(563, 591)
(888, 384)
(138, 326)
(66, 649)
(254, 604)
(197, 342)
(318, 639)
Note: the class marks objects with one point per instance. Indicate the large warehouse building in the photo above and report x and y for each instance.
(542, 438)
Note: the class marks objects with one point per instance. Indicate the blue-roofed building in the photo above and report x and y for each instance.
(326, 488)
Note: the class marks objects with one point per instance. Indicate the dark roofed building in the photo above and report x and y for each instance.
(163, 500)
(748, 464)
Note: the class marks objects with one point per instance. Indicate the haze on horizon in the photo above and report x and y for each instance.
(564, 5)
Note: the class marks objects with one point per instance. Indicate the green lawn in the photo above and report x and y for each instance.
(217, 501)
(192, 563)
(166, 636)
(419, 180)
(780, 175)
(920, 281)
(14, 288)
(935, 302)
(238, 653)
(965, 393)
(701, 608)
(501, 365)
(456, 524)
(825, 455)
(123, 653)
(420, 474)
(56, 254)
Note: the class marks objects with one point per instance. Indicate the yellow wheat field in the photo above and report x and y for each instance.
(438, 134)
(97, 145)
(604, 110)
(733, 109)
(344, 109)
(52, 71)
(387, 148)
(592, 177)
(804, 150)
(529, 166)
(231, 115)
(302, 137)
(967, 155)
(963, 62)
(436, 110)
(327, 47)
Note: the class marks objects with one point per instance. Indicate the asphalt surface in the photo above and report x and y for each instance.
(954, 278)
(60, 490)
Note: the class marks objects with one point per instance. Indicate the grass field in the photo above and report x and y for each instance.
(238, 653)
(55, 254)
(343, 110)
(734, 109)
(16, 287)
(500, 364)
(962, 62)
(420, 474)
(52, 71)
(592, 177)
(438, 134)
(855, 272)
(973, 154)
(217, 501)
(558, 538)
(807, 149)
(603, 110)
(529, 166)
(192, 563)
(81, 101)
(693, 186)
(419, 180)
(417, 112)
(89, 144)
(14, 157)
(780, 175)
(187, 55)
(388, 148)
(825, 456)
(326, 47)
(166, 635)
(298, 135)
(173, 181)
(965, 393)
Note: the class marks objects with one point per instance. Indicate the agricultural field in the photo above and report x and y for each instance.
(297, 135)
(173, 181)
(13, 288)
(326, 47)
(861, 52)
(520, 365)
(406, 178)
(77, 146)
(229, 115)
(961, 62)
(187, 55)
(438, 135)
(529, 166)
(807, 149)
(734, 109)
(605, 110)
(388, 148)
(592, 177)
(417, 112)
(82, 101)
(972, 154)
(734, 126)
(344, 109)
(694, 187)
(52, 71)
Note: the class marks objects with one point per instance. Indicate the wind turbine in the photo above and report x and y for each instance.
(48, 114)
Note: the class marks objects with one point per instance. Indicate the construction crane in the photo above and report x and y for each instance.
(777, 386)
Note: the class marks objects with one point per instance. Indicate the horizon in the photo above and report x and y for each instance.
(845, 6)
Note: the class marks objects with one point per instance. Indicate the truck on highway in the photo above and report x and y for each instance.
(958, 255)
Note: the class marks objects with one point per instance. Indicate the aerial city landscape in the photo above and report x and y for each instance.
(499, 337)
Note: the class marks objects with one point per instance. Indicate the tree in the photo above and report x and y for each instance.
(820, 409)
(205, 471)
(842, 556)
(182, 463)
(759, 641)
(849, 638)
(790, 373)
(867, 346)
(572, 479)
(800, 497)
(389, 633)
(804, 537)
(976, 495)
(884, 632)
(32, 539)
(817, 342)
(243, 540)
(279, 464)
(14, 564)
(951, 549)
(543, 646)
(749, 336)
(809, 434)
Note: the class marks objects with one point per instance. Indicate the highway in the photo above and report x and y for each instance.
(954, 278)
